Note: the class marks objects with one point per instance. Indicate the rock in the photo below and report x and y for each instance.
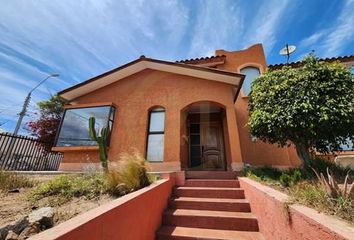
(12, 236)
(13, 191)
(44, 216)
(16, 227)
(31, 230)
(36, 221)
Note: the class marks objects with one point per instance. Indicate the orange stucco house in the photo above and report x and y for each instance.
(185, 115)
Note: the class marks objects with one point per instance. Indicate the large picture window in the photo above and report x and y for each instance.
(156, 132)
(251, 73)
(74, 129)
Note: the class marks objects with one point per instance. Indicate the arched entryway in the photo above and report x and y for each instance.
(203, 131)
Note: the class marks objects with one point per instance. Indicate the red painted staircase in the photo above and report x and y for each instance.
(207, 208)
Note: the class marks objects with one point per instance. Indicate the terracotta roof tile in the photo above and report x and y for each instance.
(203, 60)
(348, 58)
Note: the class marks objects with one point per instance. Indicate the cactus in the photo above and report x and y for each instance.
(101, 140)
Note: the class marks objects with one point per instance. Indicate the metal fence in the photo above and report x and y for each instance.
(24, 153)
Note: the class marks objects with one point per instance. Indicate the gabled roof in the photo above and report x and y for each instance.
(342, 59)
(142, 63)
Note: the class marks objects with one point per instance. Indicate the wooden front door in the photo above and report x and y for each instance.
(212, 146)
(207, 146)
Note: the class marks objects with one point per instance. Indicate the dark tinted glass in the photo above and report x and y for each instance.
(195, 151)
(74, 130)
(194, 128)
(195, 139)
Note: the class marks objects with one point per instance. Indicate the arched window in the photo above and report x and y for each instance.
(156, 132)
(251, 73)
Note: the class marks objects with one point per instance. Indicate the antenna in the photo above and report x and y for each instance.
(286, 51)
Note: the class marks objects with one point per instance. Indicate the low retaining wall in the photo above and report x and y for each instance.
(276, 221)
(135, 216)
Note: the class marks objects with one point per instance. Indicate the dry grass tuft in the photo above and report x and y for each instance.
(11, 180)
(130, 173)
(314, 195)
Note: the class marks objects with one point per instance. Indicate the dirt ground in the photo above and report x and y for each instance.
(14, 206)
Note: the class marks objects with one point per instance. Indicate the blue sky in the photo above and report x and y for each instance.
(83, 38)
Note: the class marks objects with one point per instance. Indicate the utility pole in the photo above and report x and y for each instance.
(10, 154)
(22, 113)
(26, 103)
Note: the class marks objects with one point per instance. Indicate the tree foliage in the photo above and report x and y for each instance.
(311, 106)
(46, 126)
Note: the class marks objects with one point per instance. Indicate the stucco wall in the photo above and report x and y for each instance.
(276, 221)
(135, 95)
(136, 216)
(254, 153)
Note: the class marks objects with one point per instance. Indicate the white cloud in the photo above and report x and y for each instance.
(220, 26)
(216, 25)
(82, 38)
(271, 18)
(79, 39)
(333, 39)
(311, 40)
(342, 32)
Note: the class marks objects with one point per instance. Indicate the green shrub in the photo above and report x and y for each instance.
(290, 177)
(265, 173)
(11, 180)
(268, 174)
(285, 180)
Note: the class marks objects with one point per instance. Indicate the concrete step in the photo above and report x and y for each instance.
(239, 221)
(210, 175)
(209, 192)
(212, 183)
(186, 233)
(216, 204)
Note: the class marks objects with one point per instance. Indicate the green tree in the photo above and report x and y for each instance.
(311, 106)
(46, 126)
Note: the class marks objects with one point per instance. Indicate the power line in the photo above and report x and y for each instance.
(3, 123)
(8, 107)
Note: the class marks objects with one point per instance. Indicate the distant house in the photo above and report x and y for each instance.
(184, 115)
